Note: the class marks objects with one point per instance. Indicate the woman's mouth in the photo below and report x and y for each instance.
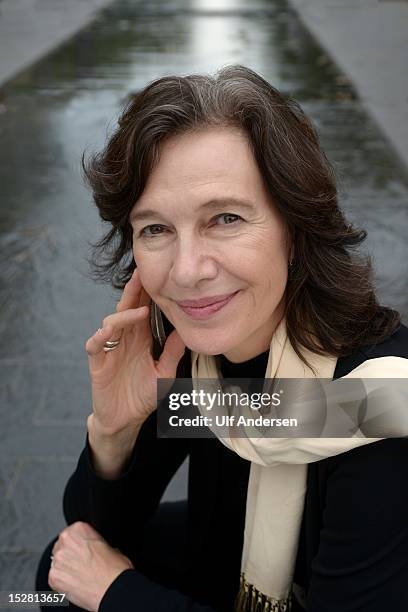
(205, 312)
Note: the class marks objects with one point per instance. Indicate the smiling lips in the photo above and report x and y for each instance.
(202, 309)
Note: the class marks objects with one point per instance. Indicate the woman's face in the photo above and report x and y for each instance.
(210, 229)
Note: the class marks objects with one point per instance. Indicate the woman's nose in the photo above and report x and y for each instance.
(192, 262)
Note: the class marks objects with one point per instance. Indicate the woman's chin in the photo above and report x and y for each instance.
(204, 350)
(206, 346)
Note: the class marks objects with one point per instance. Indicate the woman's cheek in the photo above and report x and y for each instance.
(152, 274)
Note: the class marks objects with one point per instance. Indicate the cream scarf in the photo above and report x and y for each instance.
(277, 481)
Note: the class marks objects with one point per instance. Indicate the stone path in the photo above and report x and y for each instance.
(29, 29)
(368, 39)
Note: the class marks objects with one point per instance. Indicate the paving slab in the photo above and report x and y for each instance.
(29, 29)
(368, 39)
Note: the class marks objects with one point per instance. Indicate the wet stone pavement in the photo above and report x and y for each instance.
(49, 306)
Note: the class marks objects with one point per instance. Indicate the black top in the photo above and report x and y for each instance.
(353, 544)
(253, 368)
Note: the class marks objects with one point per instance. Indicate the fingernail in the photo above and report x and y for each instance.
(100, 330)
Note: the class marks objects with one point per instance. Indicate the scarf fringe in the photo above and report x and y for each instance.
(249, 599)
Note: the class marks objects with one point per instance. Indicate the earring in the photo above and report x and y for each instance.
(156, 324)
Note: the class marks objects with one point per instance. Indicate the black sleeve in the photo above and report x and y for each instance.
(118, 508)
(362, 559)
(131, 591)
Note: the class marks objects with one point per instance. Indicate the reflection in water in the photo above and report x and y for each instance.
(66, 102)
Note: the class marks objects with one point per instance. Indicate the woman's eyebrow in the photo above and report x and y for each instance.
(212, 204)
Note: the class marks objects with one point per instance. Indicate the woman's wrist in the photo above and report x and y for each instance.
(110, 452)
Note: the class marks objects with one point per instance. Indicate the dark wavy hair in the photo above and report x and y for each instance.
(331, 305)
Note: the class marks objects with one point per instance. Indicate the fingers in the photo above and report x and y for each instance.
(77, 531)
(133, 307)
(145, 298)
(122, 320)
(84, 530)
(172, 353)
(113, 326)
(132, 293)
(94, 346)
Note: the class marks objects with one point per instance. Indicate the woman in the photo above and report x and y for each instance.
(218, 190)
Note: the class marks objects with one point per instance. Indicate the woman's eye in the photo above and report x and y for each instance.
(158, 230)
(152, 230)
(230, 218)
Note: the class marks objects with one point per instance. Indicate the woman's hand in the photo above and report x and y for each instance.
(84, 565)
(124, 381)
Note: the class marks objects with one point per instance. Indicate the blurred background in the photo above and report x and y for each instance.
(66, 69)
